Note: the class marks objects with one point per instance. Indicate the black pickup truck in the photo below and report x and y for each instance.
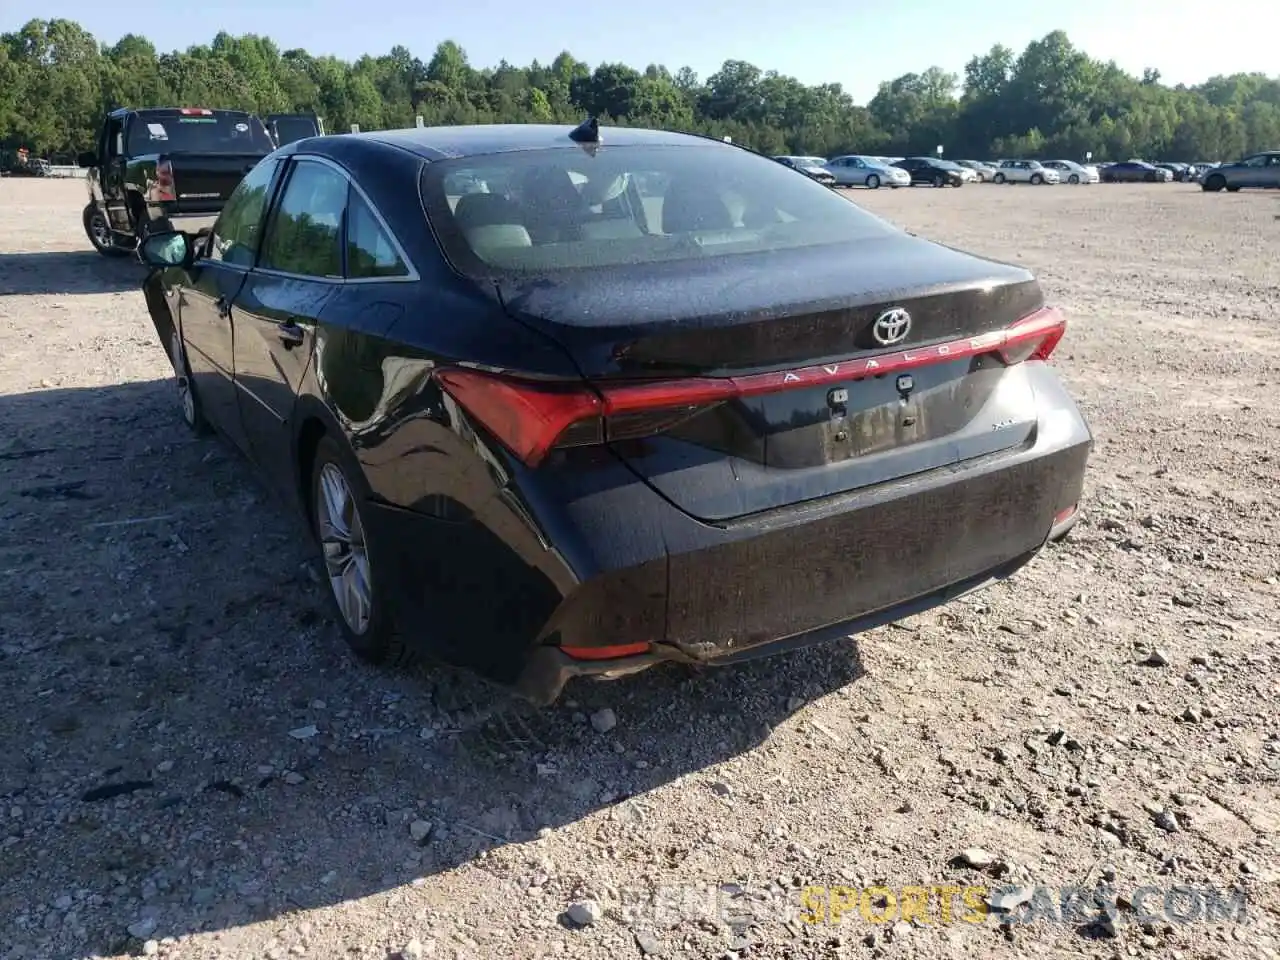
(158, 164)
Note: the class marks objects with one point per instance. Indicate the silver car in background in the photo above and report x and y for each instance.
(1262, 170)
(854, 170)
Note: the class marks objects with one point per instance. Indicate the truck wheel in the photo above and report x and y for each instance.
(99, 232)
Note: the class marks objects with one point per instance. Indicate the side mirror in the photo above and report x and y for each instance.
(86, 160)
(169, 249)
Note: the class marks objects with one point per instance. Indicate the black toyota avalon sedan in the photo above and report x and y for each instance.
(562, 402)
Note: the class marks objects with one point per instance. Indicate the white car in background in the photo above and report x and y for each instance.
(1071, 172)
(1024, 171)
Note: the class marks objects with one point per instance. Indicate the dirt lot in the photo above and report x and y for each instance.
(195, 767)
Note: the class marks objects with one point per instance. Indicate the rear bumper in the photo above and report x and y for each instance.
(589, 556)
(549, 669)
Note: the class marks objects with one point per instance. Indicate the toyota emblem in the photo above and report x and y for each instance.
(891, 327)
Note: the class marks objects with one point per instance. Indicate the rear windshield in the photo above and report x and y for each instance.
(563, 209)
(177, 133)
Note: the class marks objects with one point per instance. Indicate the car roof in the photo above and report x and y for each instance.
(440, 143)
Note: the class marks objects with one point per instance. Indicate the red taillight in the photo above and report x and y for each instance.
(530, 418)
(164, 182)
(607, 653)
(196, 112)
(1034, 337)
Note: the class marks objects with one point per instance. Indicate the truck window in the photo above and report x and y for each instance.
(170, 132)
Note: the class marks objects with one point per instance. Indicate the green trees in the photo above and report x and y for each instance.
(1051, 100)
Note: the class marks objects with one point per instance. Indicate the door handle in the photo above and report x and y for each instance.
(290, 334)
(224, 307)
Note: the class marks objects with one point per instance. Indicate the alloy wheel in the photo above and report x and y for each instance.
(100, 231)
(342, 541)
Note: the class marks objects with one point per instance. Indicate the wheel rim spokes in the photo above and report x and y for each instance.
(342, 542)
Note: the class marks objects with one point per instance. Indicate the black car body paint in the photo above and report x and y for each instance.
(759, 523)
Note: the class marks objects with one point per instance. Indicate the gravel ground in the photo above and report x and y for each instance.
(195, 767)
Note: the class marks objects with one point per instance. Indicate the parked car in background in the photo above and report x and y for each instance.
(1181, 171)
(1261, 170)
(155, 165)
(1025, 171)
(815, 167)
(984, 171)
(934, 172)
(1135, 171)
(291, 127)
(1071, 172)
(854, 170)
(1199, 169)
(571, 429)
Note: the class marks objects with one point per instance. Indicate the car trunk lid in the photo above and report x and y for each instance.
(819, 403)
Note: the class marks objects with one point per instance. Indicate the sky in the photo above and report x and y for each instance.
(852, 42)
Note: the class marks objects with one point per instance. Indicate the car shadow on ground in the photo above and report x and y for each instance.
(191, 748)
(55, 272)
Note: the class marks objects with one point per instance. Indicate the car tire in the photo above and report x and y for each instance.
(338, 491)
(99, 232)
(1074, 178)
(998, 178)
(873, 182)
(1213, 183)
(189, 405)
(939, 180)
(1036, 179)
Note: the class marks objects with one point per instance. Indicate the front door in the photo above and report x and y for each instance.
(1253, 173)
(111, 162)
(206, 307)
(299, 272)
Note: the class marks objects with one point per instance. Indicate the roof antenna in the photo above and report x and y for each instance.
(586, 132)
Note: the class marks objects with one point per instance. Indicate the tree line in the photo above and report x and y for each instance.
(1052, 100)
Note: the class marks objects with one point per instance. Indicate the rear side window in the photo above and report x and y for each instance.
(304, 235)
(564, 209)
(370, 252)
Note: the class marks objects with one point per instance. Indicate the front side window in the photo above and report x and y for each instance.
(235, 234)
(304, 235)
(564, 209)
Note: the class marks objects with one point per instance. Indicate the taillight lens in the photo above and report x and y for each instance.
(530, 418)
(1034, 337)
(164, 181)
